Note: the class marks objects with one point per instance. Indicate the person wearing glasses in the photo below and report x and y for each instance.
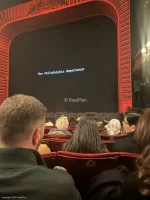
(127, 143)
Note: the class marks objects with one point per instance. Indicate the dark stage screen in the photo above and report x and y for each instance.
(70, 67)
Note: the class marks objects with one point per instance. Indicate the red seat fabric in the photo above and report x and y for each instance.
(102, 128)
(45, 141)
(48, 128)
(56, 144)
(111, 137)
(83, 167)
(63, 136)
(50, 159)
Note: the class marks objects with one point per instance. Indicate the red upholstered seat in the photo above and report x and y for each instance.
(109, 144)
(45, 141)
(71, 129)
(128, 160)
(50, 159)
(111, 137)
(85, 166)
(48, 128)
(45, 136)
(102, 128)
(63, 136)
(55, 144)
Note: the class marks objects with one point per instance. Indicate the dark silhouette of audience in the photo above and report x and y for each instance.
(86, 138)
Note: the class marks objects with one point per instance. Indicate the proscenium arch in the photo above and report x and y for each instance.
(117, 10)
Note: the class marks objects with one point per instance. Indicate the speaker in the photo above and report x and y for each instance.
(137, 86)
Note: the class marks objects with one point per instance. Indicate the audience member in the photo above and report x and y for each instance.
(49, 123)
(137, 185)
(113, 127)
(22, 170)
(105, 121)
(72, 121)
(86, 138)
(99, 124)
(61, 126)
(127, 143)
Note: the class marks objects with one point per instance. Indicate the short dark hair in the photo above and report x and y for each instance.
(132, 118)
(139, 111)
(86, 138)
(17, 116)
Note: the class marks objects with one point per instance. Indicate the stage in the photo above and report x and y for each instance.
(115, 90)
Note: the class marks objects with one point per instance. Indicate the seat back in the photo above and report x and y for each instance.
(111, 137)
(48, 128)
(102, 128)
(128, 160)
(109, 144)
(56, 144)
(85, 166)
(50, 159)
(71, 129)
(57, 136)
(45, 141)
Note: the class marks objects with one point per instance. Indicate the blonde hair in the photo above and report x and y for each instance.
(62, 123)
(43, 148)
(113, 127)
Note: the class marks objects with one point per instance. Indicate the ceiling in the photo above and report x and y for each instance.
(4, 4)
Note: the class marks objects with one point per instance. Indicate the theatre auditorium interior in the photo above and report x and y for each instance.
(75, 99)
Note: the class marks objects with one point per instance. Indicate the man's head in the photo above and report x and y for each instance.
(130, 122)
(22, 122)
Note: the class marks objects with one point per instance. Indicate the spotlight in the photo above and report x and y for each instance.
(148, 44)
(143, 50)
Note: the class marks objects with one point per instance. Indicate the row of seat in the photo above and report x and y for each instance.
(55, 144)
(68, 136)
(70, 128)
(98, 162)
(83, 167)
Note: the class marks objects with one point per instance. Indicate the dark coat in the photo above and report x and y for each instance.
(23, 175)
(107, 184)
(130, 191)
(125, 144)
(116, 184)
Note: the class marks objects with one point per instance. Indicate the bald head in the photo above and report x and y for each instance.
(19, 115)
